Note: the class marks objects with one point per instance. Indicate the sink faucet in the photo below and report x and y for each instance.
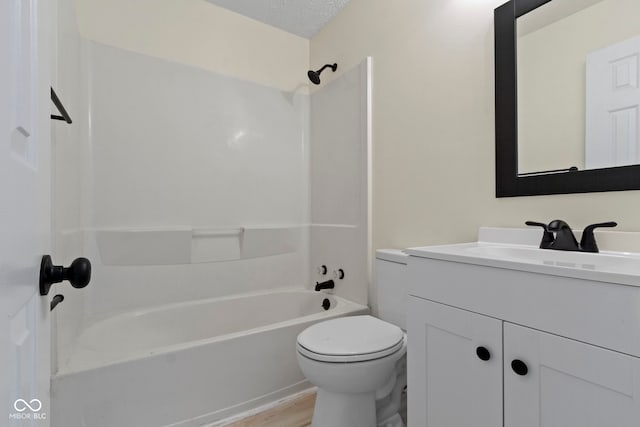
(559, 236)
(565, 240)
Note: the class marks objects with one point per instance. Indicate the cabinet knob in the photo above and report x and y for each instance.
(519, 367)
(483, 353)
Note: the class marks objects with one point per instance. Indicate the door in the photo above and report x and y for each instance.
(566, 383)
(454, 367)
(613, 105)
(25, 211)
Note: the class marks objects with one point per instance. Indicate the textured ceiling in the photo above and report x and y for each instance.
(302, 17)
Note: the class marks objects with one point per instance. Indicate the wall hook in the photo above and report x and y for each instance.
(56, 101)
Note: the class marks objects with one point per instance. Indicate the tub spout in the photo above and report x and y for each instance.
(325, 285)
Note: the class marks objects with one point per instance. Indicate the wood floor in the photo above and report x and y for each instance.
(294, 413)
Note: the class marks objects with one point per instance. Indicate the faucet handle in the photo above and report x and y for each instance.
(588, 240)
(547, 236)
(537, 224)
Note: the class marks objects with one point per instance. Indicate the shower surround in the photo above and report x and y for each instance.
(202, 187)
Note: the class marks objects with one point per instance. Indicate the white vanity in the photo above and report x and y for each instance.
(506, 334)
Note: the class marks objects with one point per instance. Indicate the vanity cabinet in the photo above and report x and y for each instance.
(575, 344)
(449, 385)
(467, 369)
(568, 383)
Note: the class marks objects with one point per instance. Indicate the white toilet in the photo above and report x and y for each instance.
(358, 363)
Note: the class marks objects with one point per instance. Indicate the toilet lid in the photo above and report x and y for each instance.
(354, 338)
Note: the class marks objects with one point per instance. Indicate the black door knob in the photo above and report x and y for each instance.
(483, 353)
(519, 367)
(78, 273)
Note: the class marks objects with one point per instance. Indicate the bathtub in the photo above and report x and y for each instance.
(189, 364)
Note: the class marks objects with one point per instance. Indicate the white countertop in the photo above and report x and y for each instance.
(501, 248)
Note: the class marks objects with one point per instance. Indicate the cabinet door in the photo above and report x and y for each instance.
(449, 384)
(567, 383)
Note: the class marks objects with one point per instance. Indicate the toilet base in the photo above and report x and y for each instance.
(344, 409)
(389, 406)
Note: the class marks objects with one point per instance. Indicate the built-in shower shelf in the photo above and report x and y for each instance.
(216, 232)
(187, 245)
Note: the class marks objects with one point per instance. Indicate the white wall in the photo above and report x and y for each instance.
(433, 124)
(200, 34)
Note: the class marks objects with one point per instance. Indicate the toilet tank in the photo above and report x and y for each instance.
(391, 284)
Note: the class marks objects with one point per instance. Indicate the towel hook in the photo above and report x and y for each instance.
(56, 101)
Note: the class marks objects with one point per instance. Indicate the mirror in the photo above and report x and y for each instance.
(555, 60)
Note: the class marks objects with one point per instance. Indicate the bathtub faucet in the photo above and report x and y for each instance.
(325, 285)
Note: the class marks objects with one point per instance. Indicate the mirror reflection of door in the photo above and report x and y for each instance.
(613, 105)
(554, 42)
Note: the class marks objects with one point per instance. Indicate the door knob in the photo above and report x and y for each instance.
(78, 273)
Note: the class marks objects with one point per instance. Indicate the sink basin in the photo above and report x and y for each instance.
(613, 267)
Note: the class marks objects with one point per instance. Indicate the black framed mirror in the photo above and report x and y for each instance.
(509, 182)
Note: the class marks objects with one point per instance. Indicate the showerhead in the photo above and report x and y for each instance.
(314, 76)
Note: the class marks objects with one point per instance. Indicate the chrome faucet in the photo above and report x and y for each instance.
(559, 236)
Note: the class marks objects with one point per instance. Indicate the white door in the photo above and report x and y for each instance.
(25, 211)
(613, 105)
(454, 367)
(567, 383)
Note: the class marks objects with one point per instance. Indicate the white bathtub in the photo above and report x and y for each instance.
(188, 364)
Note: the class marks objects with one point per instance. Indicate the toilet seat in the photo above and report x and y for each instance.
(348, 358)
(350, 339)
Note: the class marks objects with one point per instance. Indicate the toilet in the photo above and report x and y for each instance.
(358, 363)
